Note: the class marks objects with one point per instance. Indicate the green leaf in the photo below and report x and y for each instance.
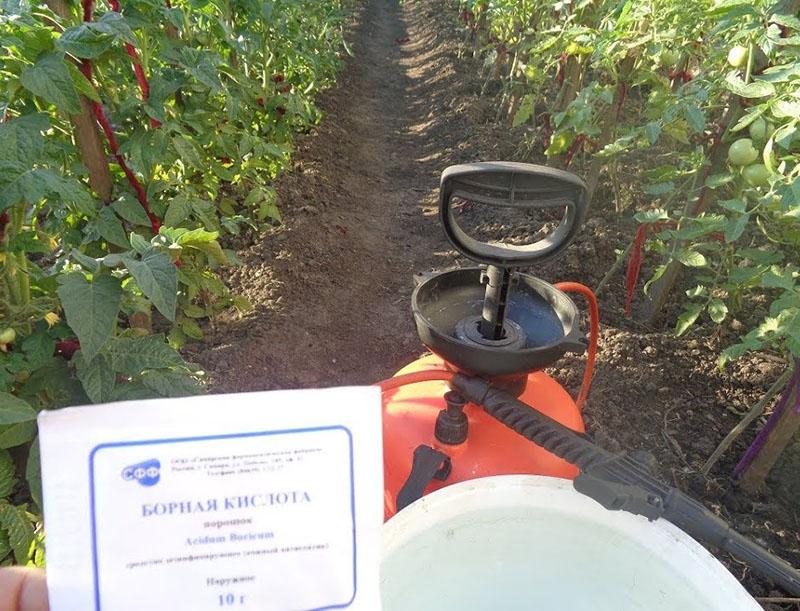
(110, 227)
(157, 277)
(784, 109)
(21, 139)
(91, 309)
(688, 318)
(191, 328)
(178, 210)
(38, 348)
(15, 521)
(114, 24)
(696, 119)
(85, 41)
(747, 119)
(97, 377)
(33, 473)
(170, 383)
(717, 180)
(755, 89)
(691, 258)
(653, 131)
(133, 355)
(139, 244)
(748, 343)
(189, 237)
(734, 205)
(524, 112)
(777, 278)
(82, 84)
(697, 291)
(15, 435)
(14, 410)
(129, 208)
(188, 152)
(214, 252)
(86, 262)
(651, 216)
(659, 189)
(49, 78)
(5, 547)
(7, 474)
(717, 310)
(735, 228)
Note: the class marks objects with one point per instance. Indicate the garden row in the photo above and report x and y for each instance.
(132, 138)
(702, 100)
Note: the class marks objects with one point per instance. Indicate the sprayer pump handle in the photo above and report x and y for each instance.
(512, 185)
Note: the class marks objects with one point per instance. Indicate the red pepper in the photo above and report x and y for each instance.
(634, 266)
(66, 348)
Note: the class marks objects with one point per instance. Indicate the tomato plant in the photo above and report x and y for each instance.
(702, 97)
(132, 137)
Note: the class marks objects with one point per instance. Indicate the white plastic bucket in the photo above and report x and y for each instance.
(523, 543)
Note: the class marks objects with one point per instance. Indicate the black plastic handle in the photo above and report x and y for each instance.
(428, 464)
(515, 185)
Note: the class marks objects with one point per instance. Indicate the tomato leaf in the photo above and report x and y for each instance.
(524, 112)
(15, 521)
(97, 377)
(735, 228)
(133, 355)
(178, 210)
(651, 216)
(170, 383)
(14, 410)
(688, 318)
(188, 152)
(82, 84)
(755, 89)
(21, 139)
(85, 41)
(157, 277)
(15, 435)
(7, 474)
(49, 78)
(110, 227)
(691, 258)
(717, 310)
(696, 119)
(33, 473)
(91, 308)
(129, 208)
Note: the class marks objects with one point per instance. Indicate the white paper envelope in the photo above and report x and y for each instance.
(258, 501)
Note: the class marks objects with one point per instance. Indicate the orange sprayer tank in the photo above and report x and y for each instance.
(495, 322)
(491, 448)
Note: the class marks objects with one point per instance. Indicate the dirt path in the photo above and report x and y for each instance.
(332, 285)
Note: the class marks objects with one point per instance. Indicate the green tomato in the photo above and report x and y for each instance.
(7, 336)
(756, 175)
(758, 130)
(737, 56)
(742, 152)
(668, 58)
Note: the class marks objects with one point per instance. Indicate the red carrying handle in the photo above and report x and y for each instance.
(594, 335)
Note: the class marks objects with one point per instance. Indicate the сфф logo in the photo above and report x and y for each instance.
(147, 473)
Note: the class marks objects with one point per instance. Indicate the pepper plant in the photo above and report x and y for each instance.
(133, 136)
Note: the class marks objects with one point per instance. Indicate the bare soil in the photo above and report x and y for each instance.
(331, 286)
